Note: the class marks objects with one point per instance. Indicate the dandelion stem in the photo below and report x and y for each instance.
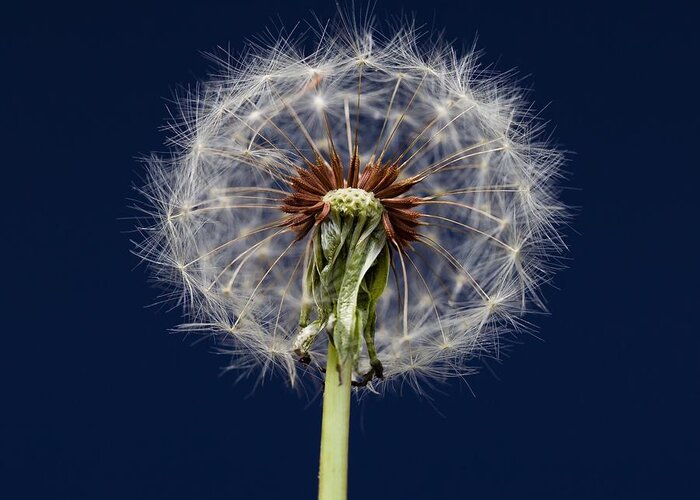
(335, 429)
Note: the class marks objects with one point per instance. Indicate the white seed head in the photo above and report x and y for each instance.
(488, 234)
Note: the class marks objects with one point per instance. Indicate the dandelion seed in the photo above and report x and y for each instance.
(378, 207)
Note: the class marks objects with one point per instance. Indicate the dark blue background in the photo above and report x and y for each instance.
(99, 402)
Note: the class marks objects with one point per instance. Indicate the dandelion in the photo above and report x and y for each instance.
(376, 208)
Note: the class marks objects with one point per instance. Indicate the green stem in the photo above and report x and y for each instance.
(335, 429)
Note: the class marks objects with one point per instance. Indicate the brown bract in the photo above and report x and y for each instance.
(314, 180)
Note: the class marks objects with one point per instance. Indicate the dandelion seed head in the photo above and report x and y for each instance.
(451, 158)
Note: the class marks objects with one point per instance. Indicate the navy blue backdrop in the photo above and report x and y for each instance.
(100, 402)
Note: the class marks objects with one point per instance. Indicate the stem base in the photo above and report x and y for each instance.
(335, 428)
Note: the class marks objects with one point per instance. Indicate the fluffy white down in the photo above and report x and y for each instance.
(491, 229)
